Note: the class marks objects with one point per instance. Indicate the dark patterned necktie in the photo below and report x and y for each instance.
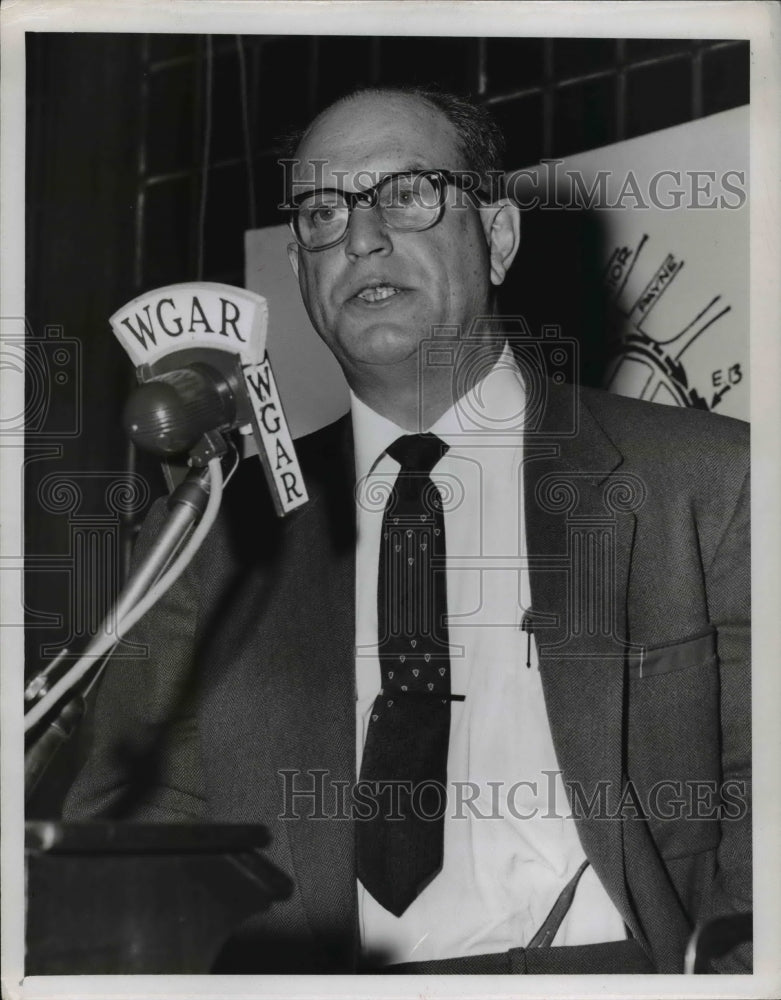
(399, 850)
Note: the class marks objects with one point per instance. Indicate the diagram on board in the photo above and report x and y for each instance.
(649, 360)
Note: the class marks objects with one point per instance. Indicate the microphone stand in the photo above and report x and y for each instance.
(186, 505)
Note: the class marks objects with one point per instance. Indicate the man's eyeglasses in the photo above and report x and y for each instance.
(409, 201)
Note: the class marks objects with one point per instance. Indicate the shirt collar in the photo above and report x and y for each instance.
(494, 404)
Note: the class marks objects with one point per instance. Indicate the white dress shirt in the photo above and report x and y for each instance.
(510, 843)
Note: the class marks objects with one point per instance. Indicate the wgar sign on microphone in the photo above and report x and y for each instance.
(192, 316)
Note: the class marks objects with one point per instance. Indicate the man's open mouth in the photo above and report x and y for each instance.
(377, 293)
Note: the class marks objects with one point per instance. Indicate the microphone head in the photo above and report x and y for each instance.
(169, 414)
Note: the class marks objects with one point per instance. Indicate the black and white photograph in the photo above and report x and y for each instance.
(383, 386)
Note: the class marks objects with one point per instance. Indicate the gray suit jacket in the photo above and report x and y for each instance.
(637, 530)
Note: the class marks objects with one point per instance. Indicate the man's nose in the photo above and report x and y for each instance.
(366, 233)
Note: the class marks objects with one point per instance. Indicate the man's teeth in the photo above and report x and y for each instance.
(378, 293)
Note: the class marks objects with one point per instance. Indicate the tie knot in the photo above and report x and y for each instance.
(418, 452)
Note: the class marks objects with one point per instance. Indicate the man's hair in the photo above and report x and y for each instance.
(480, 140)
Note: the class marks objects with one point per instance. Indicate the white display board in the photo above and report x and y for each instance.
(677, 269)
(674, 207)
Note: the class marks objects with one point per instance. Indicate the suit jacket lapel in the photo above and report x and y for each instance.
(319, 650)
(579, 543)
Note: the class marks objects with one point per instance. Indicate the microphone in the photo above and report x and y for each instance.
(170, 413)
(199, 349)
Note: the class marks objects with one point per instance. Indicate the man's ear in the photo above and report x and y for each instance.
(292, 256)
(502, 225)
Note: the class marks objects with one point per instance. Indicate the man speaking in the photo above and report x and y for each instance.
(489, 689)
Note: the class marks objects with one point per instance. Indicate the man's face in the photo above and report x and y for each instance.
(439, 276)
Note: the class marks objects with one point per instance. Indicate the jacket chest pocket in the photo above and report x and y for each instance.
(673, 742)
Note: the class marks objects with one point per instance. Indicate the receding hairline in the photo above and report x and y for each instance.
(475, 135)
(357, 96)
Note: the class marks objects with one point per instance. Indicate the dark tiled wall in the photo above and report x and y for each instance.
(554, 97)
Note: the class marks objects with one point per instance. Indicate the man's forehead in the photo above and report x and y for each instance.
(376, 134)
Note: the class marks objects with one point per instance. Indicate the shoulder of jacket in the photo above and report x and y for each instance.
(674, 434)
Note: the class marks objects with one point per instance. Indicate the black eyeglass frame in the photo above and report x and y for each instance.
(369, 196)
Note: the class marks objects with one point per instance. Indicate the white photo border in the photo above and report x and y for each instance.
(760, 23)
